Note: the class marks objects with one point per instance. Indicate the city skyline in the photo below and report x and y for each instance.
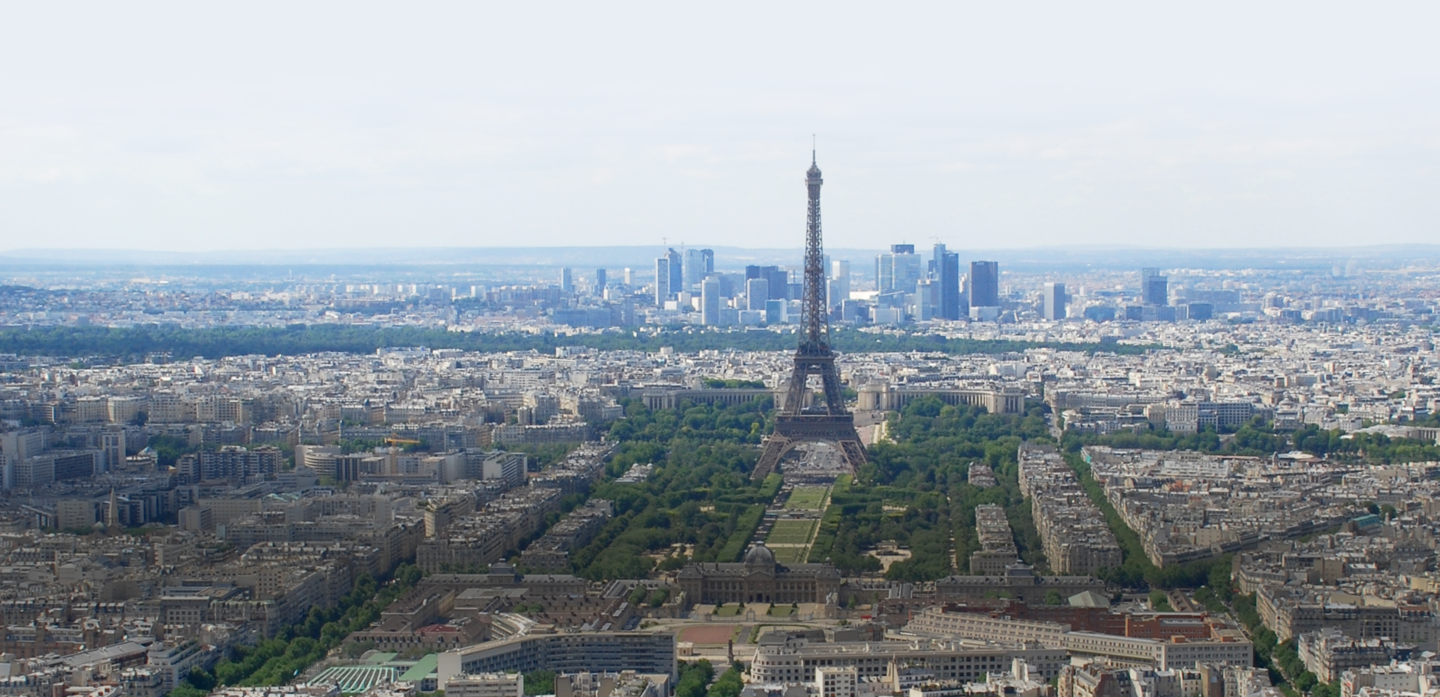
(476, 350)
(1063, 126)
(382, 479)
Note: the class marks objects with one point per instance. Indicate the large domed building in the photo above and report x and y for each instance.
(758, 579)
(759, 557)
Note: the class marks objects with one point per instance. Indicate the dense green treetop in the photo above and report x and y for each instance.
(699, 495)
(1259, 439)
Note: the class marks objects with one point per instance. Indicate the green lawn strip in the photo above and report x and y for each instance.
(807, 498)
(791, 532)
(790, 555)
(825, 537)
(744, 531)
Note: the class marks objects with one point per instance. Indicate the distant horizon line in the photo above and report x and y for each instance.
(641, 258)
(32, 252)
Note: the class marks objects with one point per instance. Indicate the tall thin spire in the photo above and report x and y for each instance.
(798, 421)
(813, 305)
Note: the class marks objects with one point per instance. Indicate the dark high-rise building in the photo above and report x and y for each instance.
(677, 271)
(662, 281)
(1154, 288)
(668, 277)
(757, 293)
(947, 280)
(776, 278)
(983, 286)
(600, 281)
(567, 280)
(780, 284)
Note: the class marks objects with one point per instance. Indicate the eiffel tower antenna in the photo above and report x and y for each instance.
(832, 423)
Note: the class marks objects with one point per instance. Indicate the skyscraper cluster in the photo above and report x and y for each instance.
(910, 285)
(907, 286)
(686, 281)
(596, 287)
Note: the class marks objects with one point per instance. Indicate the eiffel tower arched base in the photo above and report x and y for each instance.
(792, 431)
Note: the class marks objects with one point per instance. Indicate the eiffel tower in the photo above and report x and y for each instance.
(830, 422)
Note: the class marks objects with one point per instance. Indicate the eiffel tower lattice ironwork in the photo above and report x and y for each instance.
(830, 422)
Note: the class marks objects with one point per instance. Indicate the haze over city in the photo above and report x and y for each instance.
(175, 126)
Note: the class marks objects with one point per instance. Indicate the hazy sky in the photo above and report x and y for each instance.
(203, 126)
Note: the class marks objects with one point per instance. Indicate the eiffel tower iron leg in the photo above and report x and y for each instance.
(854, 453)
(774, 447)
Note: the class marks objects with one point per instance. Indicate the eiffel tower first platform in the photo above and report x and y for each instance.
(830, 421)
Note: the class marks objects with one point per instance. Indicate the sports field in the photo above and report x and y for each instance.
(791, 532)
(807, 498)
